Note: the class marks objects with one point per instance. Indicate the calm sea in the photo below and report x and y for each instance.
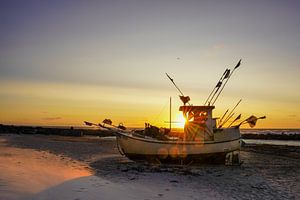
(272, 131)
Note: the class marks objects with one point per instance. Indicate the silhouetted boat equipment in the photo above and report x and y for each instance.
(226, 75)
(200, 141)
(229, 115)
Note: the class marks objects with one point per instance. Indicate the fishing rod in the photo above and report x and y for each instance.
(214, 88)
(227, 118)
(237, 65)
(223, 116)
(184, 99)
(172, 80)
(217, 87)
(238, 117)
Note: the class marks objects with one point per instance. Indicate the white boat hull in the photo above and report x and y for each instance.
(138, 148)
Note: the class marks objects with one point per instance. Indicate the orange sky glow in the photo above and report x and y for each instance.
(69, 105)
(67, 62)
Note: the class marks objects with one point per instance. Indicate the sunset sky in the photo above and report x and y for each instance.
(63, 62)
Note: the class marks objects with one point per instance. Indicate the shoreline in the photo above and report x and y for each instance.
(71, 131)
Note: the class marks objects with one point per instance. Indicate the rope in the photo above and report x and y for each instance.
(119, 148)
(156, 119)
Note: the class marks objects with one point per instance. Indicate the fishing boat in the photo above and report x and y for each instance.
(202, 139)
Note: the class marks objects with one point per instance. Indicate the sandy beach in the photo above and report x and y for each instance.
(59, 167)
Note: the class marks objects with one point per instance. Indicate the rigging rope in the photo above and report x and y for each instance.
(161, 111)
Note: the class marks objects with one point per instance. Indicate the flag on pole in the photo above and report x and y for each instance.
(227, 73)
(88, 123)
(169, 77)
(107, 121)
(238, 117)
(184, 99)
(252, 121)
(237, 65)
(219, 84)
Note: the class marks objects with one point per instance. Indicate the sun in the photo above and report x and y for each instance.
(180, 120)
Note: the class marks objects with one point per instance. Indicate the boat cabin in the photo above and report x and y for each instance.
(198, 121)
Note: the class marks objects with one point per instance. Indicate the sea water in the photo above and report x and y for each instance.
(273, 132)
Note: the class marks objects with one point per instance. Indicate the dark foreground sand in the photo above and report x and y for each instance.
(57, 167)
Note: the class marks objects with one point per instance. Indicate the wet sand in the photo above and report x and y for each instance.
(58, 167)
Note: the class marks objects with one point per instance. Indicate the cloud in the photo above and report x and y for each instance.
(51, 118)
(292, 116)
